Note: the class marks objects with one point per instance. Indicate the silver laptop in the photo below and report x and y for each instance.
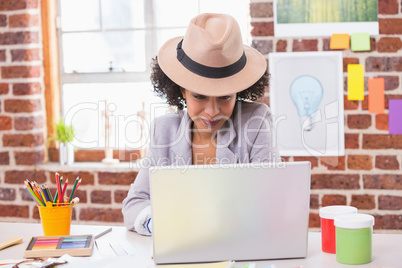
(230, 212)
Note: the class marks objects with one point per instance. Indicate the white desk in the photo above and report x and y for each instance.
(387, 249)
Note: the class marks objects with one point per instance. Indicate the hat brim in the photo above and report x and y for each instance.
(255, 67)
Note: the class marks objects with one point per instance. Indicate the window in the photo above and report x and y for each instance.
(105, 51)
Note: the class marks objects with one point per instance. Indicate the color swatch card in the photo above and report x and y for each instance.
(376, 95)
(360, 42)
(339, 41)
(395, 116)
(355, 82)
(56, 246)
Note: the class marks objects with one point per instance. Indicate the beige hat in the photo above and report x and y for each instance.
(211, 58)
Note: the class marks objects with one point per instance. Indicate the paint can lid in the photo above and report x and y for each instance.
(354, 221)
(330, 212)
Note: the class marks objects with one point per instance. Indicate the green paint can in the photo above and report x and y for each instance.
(354, 238)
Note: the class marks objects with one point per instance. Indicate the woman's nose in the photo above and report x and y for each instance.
(212, 108)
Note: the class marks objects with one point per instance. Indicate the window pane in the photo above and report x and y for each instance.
(83, 105)
(119, 14)
(96, 52)
(174, 13)
(164, 35)
(78, 15)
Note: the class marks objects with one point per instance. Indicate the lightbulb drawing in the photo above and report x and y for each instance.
(306, 92)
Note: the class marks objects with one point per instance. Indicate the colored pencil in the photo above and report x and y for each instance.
(36, 198)
(73, 191)
(26, 189)
(63, 192)
(49, 194)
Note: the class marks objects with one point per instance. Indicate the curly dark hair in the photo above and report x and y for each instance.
(166, 88)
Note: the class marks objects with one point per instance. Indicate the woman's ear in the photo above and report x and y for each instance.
(183, 92)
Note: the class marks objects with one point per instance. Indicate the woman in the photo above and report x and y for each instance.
(213, 75)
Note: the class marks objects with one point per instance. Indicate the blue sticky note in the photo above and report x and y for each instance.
(360, 42)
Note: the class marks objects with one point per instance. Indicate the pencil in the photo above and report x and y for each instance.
(63, 192)
(73, 191)
(26, 189)
(49, 194)
(36, 198)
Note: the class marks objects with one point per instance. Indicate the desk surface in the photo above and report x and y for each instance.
(387, 249)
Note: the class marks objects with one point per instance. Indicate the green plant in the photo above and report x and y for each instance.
(64, 133)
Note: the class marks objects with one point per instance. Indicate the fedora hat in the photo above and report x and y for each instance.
(211, 58)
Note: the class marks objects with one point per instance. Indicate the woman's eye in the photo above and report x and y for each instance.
(225, 97)
(198, 97)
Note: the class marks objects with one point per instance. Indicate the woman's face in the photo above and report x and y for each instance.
(208, 113)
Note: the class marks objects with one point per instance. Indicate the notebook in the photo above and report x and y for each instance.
(230, 212)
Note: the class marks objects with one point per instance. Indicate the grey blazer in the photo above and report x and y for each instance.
(244, 138)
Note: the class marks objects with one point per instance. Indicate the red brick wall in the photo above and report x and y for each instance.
(369, 176)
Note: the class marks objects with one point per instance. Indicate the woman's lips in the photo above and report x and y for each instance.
(211, 123)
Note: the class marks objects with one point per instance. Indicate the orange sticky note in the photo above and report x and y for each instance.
(339, 41)
(355, 82)
(376, 95)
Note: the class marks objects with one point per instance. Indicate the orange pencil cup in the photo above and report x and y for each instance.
(56, 220)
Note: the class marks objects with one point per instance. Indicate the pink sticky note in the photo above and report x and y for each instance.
(395, 116)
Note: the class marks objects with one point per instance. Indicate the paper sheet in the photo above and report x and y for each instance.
(224, 264)
(355, 82)
(339, 41)
(395, 116)
(376, 95)
(360, 42)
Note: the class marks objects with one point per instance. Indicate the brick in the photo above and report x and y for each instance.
(21, 89)
(333, 199)
(4, 158)
(101, 214)
(347, 61)
(389, 44)
(351, 141)
(363, 201)
(23, 140)
(87, 177)
(81, 194)
(359, 121)
(395, 64)
(263, 46)
(3, 20)
(281, 45)
(7, 194)
(389, 97)
(335, 181)
(314, 201)
(381, 121)
(389, 202)
(382, 141)
(8, 5)
(377, 64)
(2, 55)
(25, 54)
(333, 162)
(119, 196)
(261, 10)
(10, 210)
(29, 158)
(101, 197)
(388, 7)
(360, 162)
(305, 45)
(3, 88)
(22, 106)
(390, 26)
(384, 181)
(350, 105)
(119, 178)
(28, 123)
(5, 123)
(325, 44)
(19, 176)
(262, 29)
(14, 38)
(23, 20)
(20, 71)
(312, 160)
(390, 82)
(391, 222)
(314, 220)
(389, 162)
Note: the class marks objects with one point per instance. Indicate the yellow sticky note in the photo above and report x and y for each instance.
(355, 82)
(201, 265)
(339, 41)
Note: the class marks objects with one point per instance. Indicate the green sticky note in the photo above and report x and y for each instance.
(360, 42)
